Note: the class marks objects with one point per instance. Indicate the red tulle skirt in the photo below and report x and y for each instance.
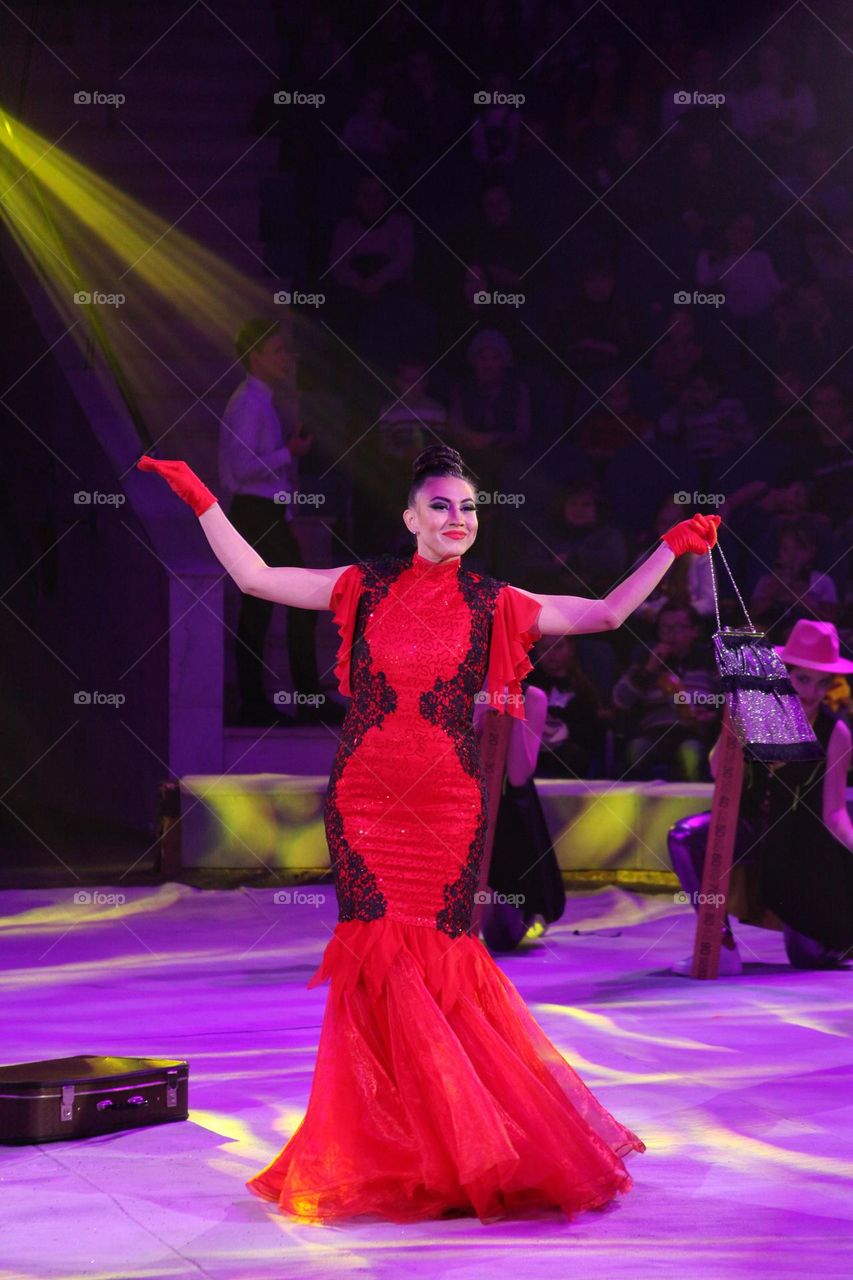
(436, 1091)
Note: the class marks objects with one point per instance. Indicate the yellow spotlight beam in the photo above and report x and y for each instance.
(163, 309)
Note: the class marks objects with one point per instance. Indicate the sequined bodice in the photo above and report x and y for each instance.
(406, 808)
(426, 630)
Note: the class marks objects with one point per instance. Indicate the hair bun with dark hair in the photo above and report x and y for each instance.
(437, 460)
(440, 458)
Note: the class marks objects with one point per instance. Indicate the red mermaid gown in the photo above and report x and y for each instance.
(435, 1089)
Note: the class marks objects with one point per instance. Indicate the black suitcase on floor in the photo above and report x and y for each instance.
(81, 1097)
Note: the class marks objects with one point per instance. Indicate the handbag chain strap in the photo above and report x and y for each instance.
(734, 584)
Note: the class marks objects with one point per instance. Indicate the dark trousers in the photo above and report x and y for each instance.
(687, 842)
(262, 523)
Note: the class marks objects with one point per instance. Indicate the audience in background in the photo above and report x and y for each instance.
(612, 425)
(550, 261)
(794, 580)
(490, 421)
(497, 125)
(778, 108)
(670, 698)
(372, 250)
(710, 424)
(688, 582)
(498, 241)
(587, 553)
(595, 331)
(675, 358)
(573, 737)
(368, 131)
(732, 265)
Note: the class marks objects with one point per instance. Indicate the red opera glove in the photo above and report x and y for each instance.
(698, 534)
(183, 480)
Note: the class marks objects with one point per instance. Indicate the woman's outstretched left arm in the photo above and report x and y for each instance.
(568, 615)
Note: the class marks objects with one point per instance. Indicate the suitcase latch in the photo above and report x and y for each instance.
(171, 1088)
(66, 1106)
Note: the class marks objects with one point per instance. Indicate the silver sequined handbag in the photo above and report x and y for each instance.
(765, 712)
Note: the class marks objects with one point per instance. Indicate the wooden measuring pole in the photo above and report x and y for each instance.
(494, 742)
(714, 894)
(169, 830)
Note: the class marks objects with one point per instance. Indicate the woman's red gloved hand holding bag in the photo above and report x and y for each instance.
(698, 534)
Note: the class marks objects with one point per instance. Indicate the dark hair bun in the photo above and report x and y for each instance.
(438, 459)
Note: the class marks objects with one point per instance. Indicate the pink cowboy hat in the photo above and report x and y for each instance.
(814, 645)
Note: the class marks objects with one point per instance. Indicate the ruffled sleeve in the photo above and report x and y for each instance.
(514, 631)
(344, 604)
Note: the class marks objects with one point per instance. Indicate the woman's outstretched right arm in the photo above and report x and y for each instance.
(302, 588)
(286, 584)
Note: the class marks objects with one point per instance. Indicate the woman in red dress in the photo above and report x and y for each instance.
(434, 1090)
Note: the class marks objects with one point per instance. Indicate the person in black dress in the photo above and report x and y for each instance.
(793, 857)
(525, 886)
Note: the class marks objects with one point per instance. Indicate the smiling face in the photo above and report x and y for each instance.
(444, 505)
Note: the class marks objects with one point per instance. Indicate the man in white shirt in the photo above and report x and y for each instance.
(257, 468)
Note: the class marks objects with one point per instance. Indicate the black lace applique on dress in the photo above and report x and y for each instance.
(450, 705)
(358, 895)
